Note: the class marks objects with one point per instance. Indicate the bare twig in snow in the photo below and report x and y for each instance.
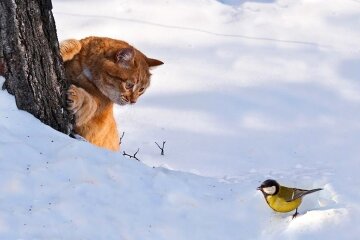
(132, 156)
(121, 138)
(161, 148)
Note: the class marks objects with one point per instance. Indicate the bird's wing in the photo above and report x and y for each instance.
(298, 193)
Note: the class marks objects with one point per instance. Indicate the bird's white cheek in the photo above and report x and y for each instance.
(269, 190)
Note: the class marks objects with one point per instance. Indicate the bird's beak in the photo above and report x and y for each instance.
(258, 188)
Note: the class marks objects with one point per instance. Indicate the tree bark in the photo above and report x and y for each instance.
(30, 59)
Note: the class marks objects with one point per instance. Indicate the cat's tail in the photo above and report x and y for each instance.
(69, 48)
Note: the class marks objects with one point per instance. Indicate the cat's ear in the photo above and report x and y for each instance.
(125, 56)
(153, 62)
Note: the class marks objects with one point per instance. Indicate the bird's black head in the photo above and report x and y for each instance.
(269, 187)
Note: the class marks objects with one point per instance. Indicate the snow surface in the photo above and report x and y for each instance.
(250, 90)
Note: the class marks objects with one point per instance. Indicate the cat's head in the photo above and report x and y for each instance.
(123, 75)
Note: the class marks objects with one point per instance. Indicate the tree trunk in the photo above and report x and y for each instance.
(30, 60)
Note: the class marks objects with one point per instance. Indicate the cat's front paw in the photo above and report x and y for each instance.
(81, 104)
(74, 99)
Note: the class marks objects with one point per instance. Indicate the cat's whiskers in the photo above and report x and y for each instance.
(124, 100)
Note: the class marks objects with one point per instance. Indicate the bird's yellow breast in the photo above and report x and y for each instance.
(279, 202)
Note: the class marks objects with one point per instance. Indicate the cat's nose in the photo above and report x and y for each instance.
(133, 101)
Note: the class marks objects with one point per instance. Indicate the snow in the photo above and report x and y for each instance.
(249, 90)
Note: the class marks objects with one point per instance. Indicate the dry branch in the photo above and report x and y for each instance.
(132, 156)
(122, 135)
(161, 148)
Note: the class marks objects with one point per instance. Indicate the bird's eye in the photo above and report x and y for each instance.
(129, 85)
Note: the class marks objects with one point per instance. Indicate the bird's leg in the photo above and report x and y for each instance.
(295, 214)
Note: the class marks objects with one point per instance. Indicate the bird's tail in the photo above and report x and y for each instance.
(312, 190)
(298, 193)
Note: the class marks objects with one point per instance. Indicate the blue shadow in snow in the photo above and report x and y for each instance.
(285, 102)
(350, 69)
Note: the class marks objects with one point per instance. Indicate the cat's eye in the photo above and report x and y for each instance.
(129, 85)
(141, 89)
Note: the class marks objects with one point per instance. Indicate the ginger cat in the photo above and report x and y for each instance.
(103, 71)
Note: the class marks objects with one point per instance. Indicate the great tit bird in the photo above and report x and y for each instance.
(283, 199)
